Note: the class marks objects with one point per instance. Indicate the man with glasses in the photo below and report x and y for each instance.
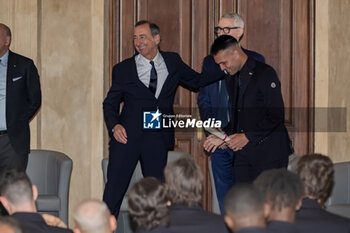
(213, 102)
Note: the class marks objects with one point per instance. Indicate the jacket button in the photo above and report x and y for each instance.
(241, 130)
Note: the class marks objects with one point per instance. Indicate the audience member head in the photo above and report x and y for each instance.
(228, 54)
(230, 24)
(244, 207)
(317, 173)
(5, 39)
(282, 191)
(146, 38)
(17, 193)
(184, 181)
(149, 204)
(10, 225)
(93, 216)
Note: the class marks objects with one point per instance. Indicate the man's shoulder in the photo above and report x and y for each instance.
(19, 58)
(257, 56)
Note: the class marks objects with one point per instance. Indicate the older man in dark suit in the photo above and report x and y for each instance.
(146, 83)
(20, 99)
(257, 131)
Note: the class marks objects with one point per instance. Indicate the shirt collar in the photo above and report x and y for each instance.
(4, 58)
(157, 59)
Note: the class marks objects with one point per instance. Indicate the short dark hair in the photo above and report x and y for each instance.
(148, 204)
(281, 188)
(317, 173)
(221, 43)
(184, 181)
(12, 223)
(243, 199)
(16, 186)
(155, 30)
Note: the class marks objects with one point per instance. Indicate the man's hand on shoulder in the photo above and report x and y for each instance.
(119, 134)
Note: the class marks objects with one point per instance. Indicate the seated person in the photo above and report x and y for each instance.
(244, 208)
(18, 196)
(93, 216)
(149, 206)
(10, 225)
(317, 174)
(282, 191)
(184, 182)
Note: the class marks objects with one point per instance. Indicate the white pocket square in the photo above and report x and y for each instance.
(17, 78)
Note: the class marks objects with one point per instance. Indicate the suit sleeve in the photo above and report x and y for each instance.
(273, 108)
(195, 80)
(203, 100)
(111, 104)
(33, 90)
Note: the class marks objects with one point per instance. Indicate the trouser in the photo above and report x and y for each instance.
(9, 158)
(246, 170)
(123, 158)
(222, 167)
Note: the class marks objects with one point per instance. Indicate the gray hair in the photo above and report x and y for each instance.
(92, 216)
(238, 20)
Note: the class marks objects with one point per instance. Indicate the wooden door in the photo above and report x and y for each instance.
(281, 30)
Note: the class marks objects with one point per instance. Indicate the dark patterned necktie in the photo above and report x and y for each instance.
(153, 79)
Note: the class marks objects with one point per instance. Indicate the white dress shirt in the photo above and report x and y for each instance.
(3, 78)
(144, 67)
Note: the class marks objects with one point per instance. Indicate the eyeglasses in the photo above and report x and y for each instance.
(226, 30)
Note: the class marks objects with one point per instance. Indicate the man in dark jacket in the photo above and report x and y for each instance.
(20, 99)
(256, 131)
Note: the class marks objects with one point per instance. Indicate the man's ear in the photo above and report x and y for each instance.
(6, 204)
(76, 230)
(298, 206)
(35, 192)
(112, 223)
(229, 221)
(156, 38)
(267, 210)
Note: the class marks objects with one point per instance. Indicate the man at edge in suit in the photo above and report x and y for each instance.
(146, 81)
(20, 99)
(213, 102)
(257, 132)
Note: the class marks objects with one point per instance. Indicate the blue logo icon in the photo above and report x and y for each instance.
(151, 120)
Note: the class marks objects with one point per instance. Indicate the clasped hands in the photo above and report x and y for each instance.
(236, 142)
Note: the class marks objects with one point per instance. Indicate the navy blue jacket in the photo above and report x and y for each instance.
(208, 97)
(260, 114)
(23, 99)
(127, 87)
(313, 218)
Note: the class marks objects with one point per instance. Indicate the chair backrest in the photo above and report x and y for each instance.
(341, 189)
(44, 168)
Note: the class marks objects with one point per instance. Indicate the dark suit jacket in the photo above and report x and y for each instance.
(313, 218)
(34, 223)
(260, 113)
(23, 99)
(127, 87)
(208, 97)
(195, 220)
(281, 227)
(252, 230)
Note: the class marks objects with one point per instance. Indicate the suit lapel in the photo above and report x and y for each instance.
(11, 67)
(137, 79)
(171, 70)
